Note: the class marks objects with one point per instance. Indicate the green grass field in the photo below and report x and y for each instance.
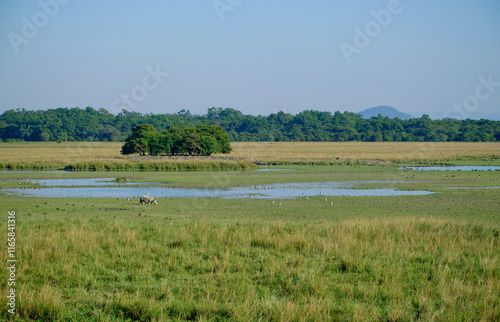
(405, 258)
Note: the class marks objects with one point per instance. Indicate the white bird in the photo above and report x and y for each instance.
(272, 202)
(279, 205)
(331, 203)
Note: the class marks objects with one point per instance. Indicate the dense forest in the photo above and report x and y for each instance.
(89, 124)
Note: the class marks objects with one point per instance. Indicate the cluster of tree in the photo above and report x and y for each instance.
(200, 140)
(62, 124)
(87, 124)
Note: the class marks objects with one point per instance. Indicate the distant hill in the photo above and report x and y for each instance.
(388, 111)
(487, 116)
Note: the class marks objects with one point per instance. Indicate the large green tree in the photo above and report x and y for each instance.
(143, 136)
(199, 140)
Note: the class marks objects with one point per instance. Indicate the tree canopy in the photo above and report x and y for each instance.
(76, 124)
(199, 140)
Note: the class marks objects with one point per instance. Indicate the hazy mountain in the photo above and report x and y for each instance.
(487, 116)
(473, 116)
(388, 111)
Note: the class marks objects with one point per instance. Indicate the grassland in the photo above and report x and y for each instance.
(398, 152)
(368, 258)
(100, 156)
(406, 258)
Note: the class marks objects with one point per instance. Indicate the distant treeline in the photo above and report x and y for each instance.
(76, 124)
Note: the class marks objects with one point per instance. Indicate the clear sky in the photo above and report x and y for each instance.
(440, 58)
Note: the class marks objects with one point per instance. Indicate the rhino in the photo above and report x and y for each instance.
(148, 199)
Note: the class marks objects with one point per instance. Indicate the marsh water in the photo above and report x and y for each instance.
(107, 188)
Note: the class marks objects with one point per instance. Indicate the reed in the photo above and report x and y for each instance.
(186, 165)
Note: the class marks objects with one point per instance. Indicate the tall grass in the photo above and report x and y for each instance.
(381, 269)
(41, 155)
(30, 166)
(187, 165)
(413, 152)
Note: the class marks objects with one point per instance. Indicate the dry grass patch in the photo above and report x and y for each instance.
(106, 156)
(44, 155)
(394, 151)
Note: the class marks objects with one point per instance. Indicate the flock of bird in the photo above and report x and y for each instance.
(307, 198)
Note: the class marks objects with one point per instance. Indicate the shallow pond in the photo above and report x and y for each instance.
(98, 189)
(455, 168)
(85, 182)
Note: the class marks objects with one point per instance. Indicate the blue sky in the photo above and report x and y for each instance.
(422, 57)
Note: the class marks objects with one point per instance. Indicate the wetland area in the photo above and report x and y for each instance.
(379, 238)
(67, 187)
(99, 188)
